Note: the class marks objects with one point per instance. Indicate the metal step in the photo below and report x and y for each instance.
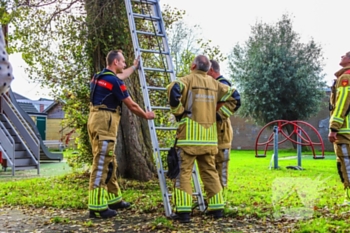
(26, 167)
(24, 162)
(19, 154)
(19, 146)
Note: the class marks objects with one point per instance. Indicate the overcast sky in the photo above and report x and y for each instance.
(227, 22)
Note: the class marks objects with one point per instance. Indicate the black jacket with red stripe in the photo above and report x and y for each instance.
(106, 88)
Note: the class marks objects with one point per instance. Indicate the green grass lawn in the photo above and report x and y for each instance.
(313, 195)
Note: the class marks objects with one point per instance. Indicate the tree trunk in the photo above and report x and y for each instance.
(108, 30)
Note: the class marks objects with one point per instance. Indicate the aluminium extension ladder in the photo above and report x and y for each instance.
(156, 72)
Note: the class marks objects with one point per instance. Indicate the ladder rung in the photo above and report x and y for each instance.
(145, 1)
(160, 108)
(154, 51)
(150, 33)
(156, 88)
(157, 69)
(147, 17)
(164, 149)
(166, 128)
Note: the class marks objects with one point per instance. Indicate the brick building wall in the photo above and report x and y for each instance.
(245, 132)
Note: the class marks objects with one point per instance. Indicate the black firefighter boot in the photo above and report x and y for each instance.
(181, 217)
(119, 205)
(215, 213)
(108, 213)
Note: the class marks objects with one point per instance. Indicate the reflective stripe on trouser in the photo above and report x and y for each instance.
(343, 153)
(221, 163)
(104, 188)
(209, 176)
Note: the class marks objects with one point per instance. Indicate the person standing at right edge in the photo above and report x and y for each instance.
(224, 127)
(339, 128)
(194, 97)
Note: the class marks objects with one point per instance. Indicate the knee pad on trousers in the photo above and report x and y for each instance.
(339, 172)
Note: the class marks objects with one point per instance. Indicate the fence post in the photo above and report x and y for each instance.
(299, 148)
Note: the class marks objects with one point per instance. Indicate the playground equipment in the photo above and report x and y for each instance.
(302, 139)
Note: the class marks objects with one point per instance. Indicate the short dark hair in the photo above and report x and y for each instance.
(215, 65)
(202, 63)
(112, 55)
(348, 54)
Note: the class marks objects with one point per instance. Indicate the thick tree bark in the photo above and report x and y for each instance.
(107, 30)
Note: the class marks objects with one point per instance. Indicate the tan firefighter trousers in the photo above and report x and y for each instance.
(343, 156)
(221, 162)
(209, 176)
(102, 128)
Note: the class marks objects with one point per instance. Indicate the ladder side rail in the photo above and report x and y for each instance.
(156, 10)
(142, 77)
(22, 142)
(7, 145)
(151, 125)
(21, 129)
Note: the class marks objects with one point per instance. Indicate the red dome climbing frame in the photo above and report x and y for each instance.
(298, 130)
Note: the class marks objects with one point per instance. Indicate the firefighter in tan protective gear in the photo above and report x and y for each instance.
(193, 100)
(107, 93)
(224, 127)
(339, 123)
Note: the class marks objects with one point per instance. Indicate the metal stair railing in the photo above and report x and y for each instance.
(155, 72)
(22, 128)
(7, 146)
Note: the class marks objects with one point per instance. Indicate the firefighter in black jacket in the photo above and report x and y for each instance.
(108, 92)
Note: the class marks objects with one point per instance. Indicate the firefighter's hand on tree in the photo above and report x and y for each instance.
(332, 136)
(150, 115)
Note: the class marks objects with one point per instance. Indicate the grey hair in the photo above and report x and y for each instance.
(215, 65)
(202, 63)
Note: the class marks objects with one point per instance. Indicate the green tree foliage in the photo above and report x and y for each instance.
(186, 43)
(278, 76)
